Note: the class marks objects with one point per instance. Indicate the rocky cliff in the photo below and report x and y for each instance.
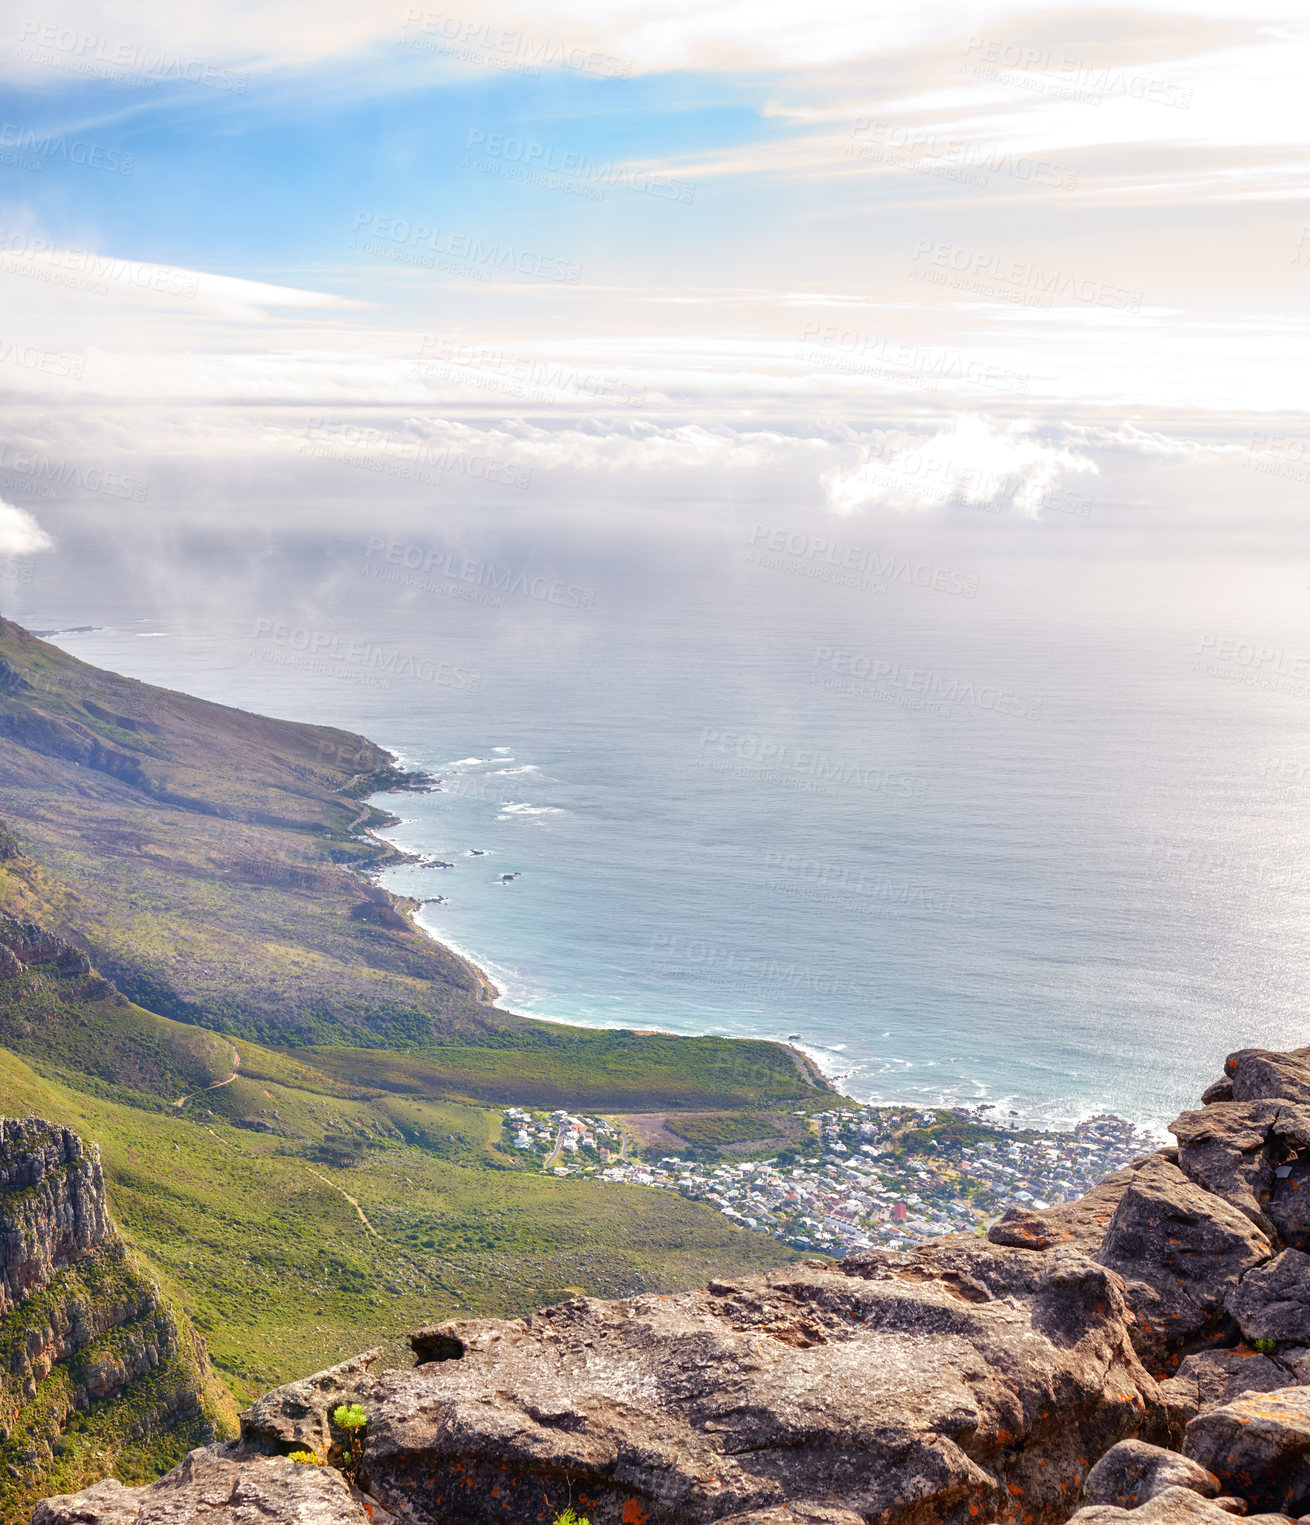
(1139, 1356)
(93, 1366)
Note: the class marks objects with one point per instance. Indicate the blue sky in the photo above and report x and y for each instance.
(717, 244)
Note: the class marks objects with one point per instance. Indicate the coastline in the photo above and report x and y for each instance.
(400, 779)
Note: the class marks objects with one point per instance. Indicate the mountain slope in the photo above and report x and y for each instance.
(200, 856)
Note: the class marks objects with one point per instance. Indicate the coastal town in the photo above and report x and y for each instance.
(859, 1177)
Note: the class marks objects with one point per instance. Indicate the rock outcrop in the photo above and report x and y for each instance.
(52, 1206)
(1133, 1472)
(82, 1327)
(264, 1490)
(1142, 1353)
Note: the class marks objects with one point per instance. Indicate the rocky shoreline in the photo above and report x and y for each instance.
(1140, 1354)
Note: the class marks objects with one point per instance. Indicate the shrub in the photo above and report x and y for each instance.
(305, 1458)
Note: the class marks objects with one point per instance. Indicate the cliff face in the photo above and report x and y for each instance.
(91, 1358)
(52, 1206)
(1139, 1357)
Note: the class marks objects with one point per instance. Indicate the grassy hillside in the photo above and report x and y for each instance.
(198, 854)
(254, 1237)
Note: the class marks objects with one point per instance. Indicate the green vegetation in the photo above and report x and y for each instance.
(568, 1517)
(730, 1128)
(260, 1246)
(351, 1418)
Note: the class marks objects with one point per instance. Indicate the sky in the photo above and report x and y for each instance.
(297, 265)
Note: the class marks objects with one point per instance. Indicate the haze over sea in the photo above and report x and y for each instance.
(1035, 842)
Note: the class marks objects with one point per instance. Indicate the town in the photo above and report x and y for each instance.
(860, 1177)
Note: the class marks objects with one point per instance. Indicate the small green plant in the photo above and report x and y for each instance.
(1265, 1347)
(305, 1458)
(568, 1517)
(351, 1418)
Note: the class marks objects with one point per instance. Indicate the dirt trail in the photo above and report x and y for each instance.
(236, 1065)
(349, 1199)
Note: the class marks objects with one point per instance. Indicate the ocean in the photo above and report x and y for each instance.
(1027, 835)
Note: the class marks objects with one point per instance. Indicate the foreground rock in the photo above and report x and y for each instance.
(1133, 1472)
(1212, 1378)
(959, 1384)
(959, 1381)
(1175, 1506)
(1259, 1447)
(1180, 1249)
(263, 1490)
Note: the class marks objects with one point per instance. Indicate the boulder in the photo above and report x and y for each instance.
(1081, 1223)
(220, 1488)
(11, 966)
(1175, 1506)
(1259, 1448)
(297, 1417)
(1132, 1472)
(1223, 1147)
(1179, 1249)
(1259, 1073)
(1256, 1155)
(105, 1503)
(1211, 1378)
(957, 1381)
(1272, 1301)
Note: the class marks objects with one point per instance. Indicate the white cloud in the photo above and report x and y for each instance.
(20, 534)
(974, 460)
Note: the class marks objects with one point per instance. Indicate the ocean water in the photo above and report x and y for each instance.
(1043, 846)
